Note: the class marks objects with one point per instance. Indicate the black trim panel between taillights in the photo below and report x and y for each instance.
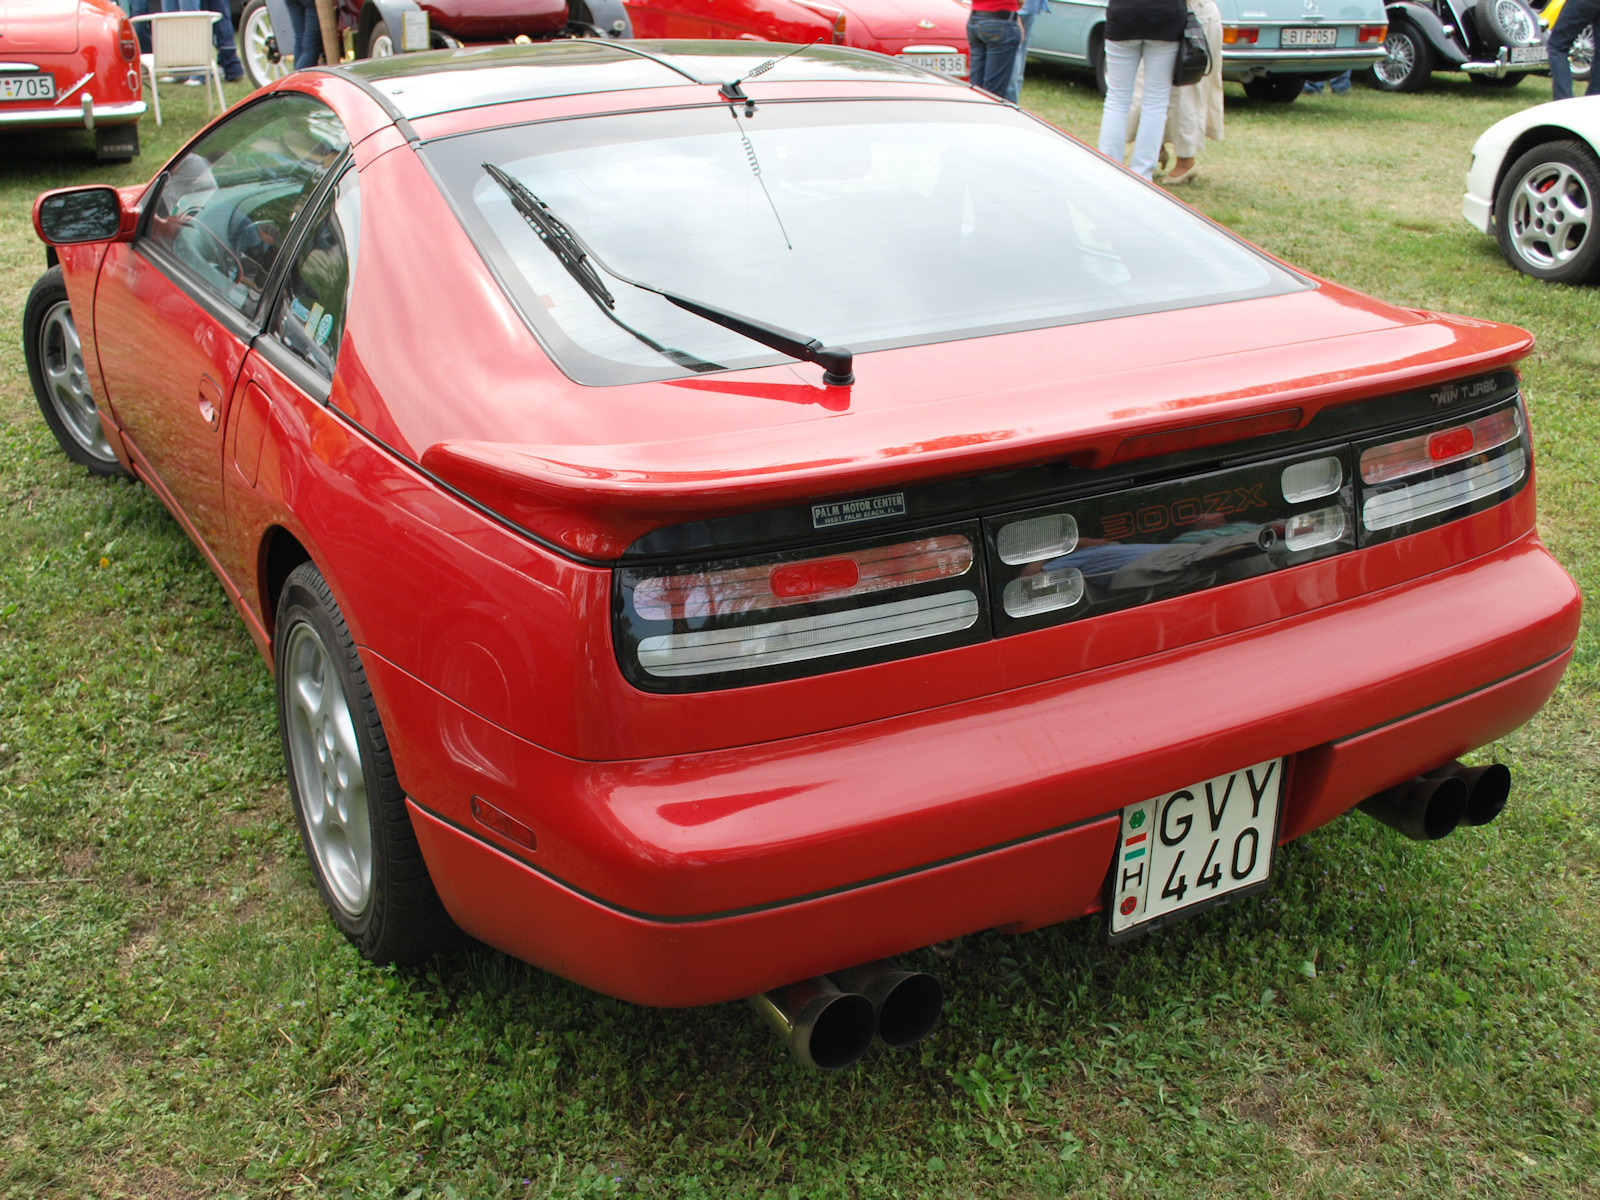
(1181, 525)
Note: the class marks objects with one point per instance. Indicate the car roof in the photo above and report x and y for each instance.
(442, 81)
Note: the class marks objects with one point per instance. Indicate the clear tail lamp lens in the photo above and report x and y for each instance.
(1312, 480)
(1037, 539)
(1305, 531)
(1042, 592)
(745, 617)
(1427, 475)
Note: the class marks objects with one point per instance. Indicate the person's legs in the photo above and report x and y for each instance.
(307, 33)
(1339, 85)
(1159, 60)
(1014, 88)
(1122, 66)
(139, 8)
(999, 35)
(222, 38)
(1575, 16)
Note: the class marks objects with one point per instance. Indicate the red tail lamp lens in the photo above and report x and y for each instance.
(812, 578)
(1369, 34)
(1450, 443)
(1239, 35)
(1149, 445)
(126, 42)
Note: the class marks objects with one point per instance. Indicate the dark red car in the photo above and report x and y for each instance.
(71, 64)
(715, 526)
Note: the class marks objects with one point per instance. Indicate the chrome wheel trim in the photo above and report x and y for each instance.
(66, 383)
(1581, 56)
(326, 756)
(1398, 61)
(381, 46)
(1551, 215)
(257, 31)
(1517, 22)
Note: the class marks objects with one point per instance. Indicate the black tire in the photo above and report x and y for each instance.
(1546, 209)
(60, 380)
(1274, 89)
(1097, 60)
(259, 49)
(1497, 82)
(349, 810)
(1407, 64)
(1507, 23)
(380, 39)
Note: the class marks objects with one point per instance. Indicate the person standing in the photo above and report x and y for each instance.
(307, 28)
(1196, 111)
(1575, 15)
(994, 36)
(1147, 32)
(1026, 14)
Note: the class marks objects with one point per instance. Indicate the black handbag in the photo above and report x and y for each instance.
(1194, 55)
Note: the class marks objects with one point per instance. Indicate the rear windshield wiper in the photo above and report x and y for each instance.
(576, 255)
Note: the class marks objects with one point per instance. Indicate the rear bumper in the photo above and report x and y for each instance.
(72, 116)
(1241, 65)
(704, 877)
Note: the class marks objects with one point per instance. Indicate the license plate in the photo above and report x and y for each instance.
(1528, 54)
(41, 86)
(1309, 36)
(1194, 847)
(945, 64)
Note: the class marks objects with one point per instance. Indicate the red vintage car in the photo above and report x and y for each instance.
(927, 33)
(792, 515)
(71, 64)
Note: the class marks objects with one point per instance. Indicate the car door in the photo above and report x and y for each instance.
(177, 309)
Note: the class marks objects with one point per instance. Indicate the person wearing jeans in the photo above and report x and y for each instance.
(1575, 15)
(994, 37)
(1026, 14)
(1146, 31)
(307, 28)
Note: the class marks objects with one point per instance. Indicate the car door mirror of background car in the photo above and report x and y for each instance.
(73, 216)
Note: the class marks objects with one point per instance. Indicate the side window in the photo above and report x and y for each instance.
(227, 205)
(310, 316)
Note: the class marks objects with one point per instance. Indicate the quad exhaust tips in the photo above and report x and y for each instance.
(829, 1022)
(1431, 806)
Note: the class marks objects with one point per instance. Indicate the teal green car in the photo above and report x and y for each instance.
(1271, 46)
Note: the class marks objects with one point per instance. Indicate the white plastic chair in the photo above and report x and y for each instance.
(181, 44)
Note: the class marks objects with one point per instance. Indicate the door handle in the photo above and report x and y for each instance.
(210, 401)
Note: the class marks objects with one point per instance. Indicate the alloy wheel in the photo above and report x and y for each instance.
(67, 383)
(1551, 215)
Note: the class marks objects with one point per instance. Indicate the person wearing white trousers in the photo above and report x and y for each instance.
(1139, 32)
(1194, 113)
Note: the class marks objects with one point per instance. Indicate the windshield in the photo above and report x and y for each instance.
(864, 224)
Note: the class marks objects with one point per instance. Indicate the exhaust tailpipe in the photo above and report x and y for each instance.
(1488, 789)
(824, 1027)
(907, 1003)
(1425, 809)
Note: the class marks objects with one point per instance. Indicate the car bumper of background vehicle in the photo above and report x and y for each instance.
(682, 845)
(73, 116)
(1239, 65)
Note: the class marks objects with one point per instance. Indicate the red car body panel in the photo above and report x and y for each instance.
(78, 43)
(887, 26)
(687, 848)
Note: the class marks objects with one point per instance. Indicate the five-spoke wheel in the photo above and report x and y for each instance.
(60, 380)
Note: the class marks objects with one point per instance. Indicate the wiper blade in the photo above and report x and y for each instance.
(555, 235)
(580, 261)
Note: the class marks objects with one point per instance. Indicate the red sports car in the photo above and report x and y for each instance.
(927, 33)
(71, 64)
(792, 515)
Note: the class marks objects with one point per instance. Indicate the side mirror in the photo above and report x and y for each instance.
(72, 216)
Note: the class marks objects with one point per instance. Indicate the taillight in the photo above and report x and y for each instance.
(754, 619)
(127, 43)
(1240, 35)
(838, 28)
(1368, 35)
(1412, 482)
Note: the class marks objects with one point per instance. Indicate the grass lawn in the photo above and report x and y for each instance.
(178, 1017)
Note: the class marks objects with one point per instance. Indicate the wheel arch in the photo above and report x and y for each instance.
(281, 553)
(1427, 23)
(1526, 140)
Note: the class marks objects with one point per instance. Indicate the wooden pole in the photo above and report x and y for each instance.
(329, 20)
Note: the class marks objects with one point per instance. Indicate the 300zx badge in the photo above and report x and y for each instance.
(1153, 518)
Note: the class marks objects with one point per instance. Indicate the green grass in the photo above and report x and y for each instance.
(178, 1017)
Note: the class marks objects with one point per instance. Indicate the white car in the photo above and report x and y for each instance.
(1535, 184)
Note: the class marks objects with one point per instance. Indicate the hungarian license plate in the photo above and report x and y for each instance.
(38, 86)
(1194, 847)
(1309, 35)
(1528, 54)
(945, 64)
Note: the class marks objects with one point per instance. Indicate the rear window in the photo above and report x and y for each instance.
(864, 224)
